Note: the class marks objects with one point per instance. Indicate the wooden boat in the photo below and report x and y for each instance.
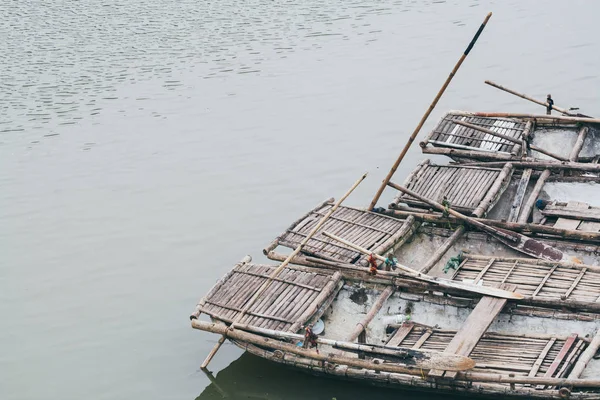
(541, 345)
(490, 285)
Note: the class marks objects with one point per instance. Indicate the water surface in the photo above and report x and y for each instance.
(147, 146)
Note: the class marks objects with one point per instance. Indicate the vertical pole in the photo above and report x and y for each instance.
(426, 115)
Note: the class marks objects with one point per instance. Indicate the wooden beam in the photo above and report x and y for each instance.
(559, 357)
(362, 325)
(586, 356)
(520, 195)
(554, 118)
(517, 227)
(526, 211)
(592, 214)
(400, 335)
(473, 328)
(538, 363)
(578, 144)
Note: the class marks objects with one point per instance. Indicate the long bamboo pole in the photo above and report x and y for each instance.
(278, 270)
(445, 283)
(427, 113)
(556, 118)
(526, 97)
(514, 240)
(512, 226)
(362, 325)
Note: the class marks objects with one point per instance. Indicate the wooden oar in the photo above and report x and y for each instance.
(404, 359)
(279, 269)
(512, 239)
(445, 283)
(426, 115)
(541, 103)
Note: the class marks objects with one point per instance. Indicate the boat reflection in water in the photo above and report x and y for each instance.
(250, 377)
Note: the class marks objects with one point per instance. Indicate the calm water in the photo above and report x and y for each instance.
(146, 146)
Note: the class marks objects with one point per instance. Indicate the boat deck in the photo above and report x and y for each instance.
(370, 230)
(464, 187)
(533, 355)
(559, 282)
(293, 298)
(451, 135)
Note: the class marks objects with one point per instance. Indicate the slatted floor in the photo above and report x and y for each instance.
(534, 356)
(551, 282)
(465, 187)
(279, 307)
(449, 134)
(367, 229)
(573, 215)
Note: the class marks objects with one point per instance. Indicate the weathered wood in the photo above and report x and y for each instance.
(538, 363)
(439, 281)
(495, 191)
(519, 196)
(541, 285)
(400, 334)
(526, 97)
(483, 271)
(512, 226)
(592, 214)
(440, 251)
(413, 359)
(514, 240)
(575, 283)
(473, 328)
(468, 154)
(197, 311)
(412, 285)
(578, 144)
(585, 357)
(362, 325)
(426, 115)
(528, 207)
(281, 267)
(326, 293)
(557, 360)
(538, 117)
(558, 166)
(273, 245)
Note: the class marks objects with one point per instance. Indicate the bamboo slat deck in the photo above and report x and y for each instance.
(465, 187)
(534, 280)
(370, 230)
(283, 305)
(448, 134)
(533, 356)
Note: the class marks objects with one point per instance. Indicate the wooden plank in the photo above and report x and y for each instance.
(567, 223)
(559, 357)
(575, 282)
(519, 196)
(474, 328)
(483, 271)
(589, 226)
(538, 363)
(400, 335)
(422, 339)
(570, 358)
(509, 272)
(541, 285)
(591, 214)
